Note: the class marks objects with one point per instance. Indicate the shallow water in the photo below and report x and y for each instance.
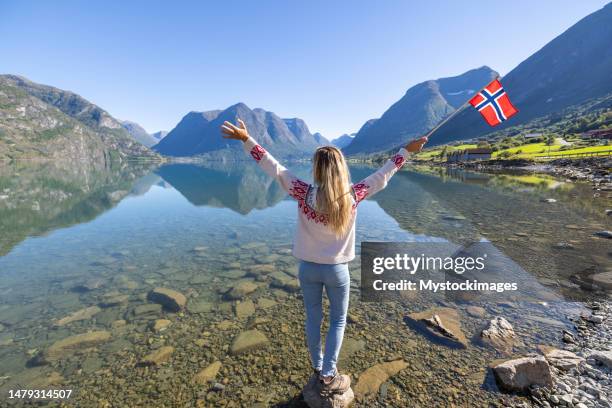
(74, 236)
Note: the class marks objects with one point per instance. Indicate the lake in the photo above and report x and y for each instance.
(82, 244)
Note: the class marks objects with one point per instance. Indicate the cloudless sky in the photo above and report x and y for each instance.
(334, 64)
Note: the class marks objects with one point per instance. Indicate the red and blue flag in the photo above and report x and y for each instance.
(493, 104)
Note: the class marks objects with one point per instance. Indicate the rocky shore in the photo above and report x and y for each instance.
(596, 170)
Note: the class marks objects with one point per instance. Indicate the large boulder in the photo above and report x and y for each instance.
(372, 378)
(247, 341)
(441, 324)
(499, 334)
(168, 298)
(521, 373)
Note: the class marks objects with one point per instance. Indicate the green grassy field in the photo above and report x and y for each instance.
(529, 150)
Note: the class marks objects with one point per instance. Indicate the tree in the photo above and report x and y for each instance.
(483, 144)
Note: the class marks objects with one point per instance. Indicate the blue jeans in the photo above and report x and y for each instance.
(336, 280)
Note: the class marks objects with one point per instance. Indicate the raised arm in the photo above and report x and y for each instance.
(379, 179)
(291, 184)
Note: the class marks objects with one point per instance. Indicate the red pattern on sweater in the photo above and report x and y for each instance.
(257, 152)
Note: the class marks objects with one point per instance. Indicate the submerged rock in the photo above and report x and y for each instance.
(157, 357)
(476, 311)
(441, 323)
(83, 314)
(603, 280)
(249, 340)
(244, 309)
(147, 311)
(170, 299)
(71, 345)
(521, 373)
(199, 306)
(88, 285)
(500, 335)
(372, 378)
(207, 374)
(160, 325)
(241, 289)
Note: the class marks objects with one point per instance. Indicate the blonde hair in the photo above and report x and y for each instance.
(331, 174)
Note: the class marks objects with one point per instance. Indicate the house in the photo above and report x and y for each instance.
(479, 153)
(597, 134)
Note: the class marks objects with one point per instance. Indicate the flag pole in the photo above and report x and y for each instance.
(460, 109)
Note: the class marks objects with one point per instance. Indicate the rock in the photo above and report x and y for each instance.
(264, 303)
(88, 285)
(83, 314)
(442, 324)
(147, 311)
(521, 373)
(71, 345)
(160, 325)
(548, 200)
(117, 324)
(603, 280)
(170, 299)
(453, 217)
(563, 245)
(241, 289)
(476, 311)
(500, 335)
(244, 309)
(207, 374)
(371, 379)
(604, 234)
(562, 359)
(288, 284)
(113, 300)
(312, 396)
(602, 357)
(225, 325)
(157, 357)
(249, 340)
(199, 306)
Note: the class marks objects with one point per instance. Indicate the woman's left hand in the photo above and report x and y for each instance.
(230, 131)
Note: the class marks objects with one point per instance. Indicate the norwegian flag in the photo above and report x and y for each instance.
(493, 104)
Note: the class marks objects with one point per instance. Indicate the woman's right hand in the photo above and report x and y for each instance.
(416, 145)
(230, 131)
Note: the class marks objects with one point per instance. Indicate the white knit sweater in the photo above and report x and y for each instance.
(314, 241)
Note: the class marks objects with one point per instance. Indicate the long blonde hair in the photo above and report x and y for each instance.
(331, 174)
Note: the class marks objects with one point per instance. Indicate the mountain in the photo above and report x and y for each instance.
(138, 133)
(342, 141)
(159, 135)
(322, 140)
(40, 121)
(419, 110)
(574, 67)
(199, 134)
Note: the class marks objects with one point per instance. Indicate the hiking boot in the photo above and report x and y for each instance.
(338, 384)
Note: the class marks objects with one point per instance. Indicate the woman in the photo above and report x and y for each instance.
(325, 238)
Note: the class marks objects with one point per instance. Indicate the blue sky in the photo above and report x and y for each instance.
(334, 64)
